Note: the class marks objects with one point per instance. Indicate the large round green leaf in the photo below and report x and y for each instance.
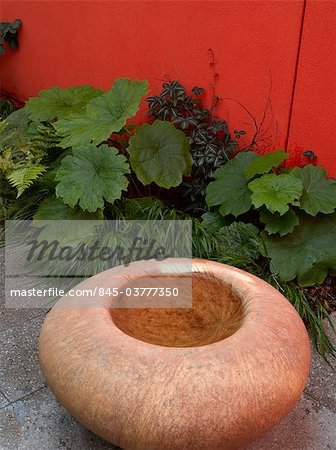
(229, 190)
(319, 194)
(103, 115)
(213, 221)
(160, 153)
(91, 175)
(307, 253)
(263, 164)
(279, 224)
(276, 192)
(54, 209)
(58, 103)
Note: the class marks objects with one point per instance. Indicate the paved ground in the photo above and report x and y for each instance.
(31, 418)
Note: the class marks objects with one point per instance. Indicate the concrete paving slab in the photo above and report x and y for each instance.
(19, 367)
(39, 422)
(3, 400)
(322, 382)
(310, 426)
(10, 317)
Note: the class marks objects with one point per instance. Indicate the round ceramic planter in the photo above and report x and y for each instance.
(212, 377)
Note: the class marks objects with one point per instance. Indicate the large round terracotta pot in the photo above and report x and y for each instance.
(212, 377)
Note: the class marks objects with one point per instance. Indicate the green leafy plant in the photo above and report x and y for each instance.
(25, 153)
(74, 143)
(72, 154)
(91, 175)
(275, 192)
(211, 143)
(54, 208)
(239, 244)
(213, 221)
(308, 253)
(296, 207)
(24, 177)
(231, 179)
(319, 193)
(159, 153)
(58, 103)
(103, 115)
(210, 140)
(9, 32)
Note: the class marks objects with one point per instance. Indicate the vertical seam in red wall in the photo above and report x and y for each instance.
(295, 73)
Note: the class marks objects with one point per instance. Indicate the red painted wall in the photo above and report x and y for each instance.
(68, 42)
(255, 44)
(314, 109)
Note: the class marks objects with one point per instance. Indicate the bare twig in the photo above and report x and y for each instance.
(215, 99)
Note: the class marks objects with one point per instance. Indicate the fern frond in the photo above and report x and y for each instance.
(24, 177)
(43, 136)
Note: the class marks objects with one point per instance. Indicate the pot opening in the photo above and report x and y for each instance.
(217, 312)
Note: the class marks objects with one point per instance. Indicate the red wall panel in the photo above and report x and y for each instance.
(68, 42)
(314, 108)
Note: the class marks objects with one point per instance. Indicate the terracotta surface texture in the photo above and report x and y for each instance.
(212, 376)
